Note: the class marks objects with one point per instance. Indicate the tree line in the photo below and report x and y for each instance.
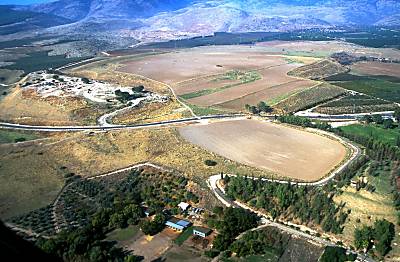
(307, 204)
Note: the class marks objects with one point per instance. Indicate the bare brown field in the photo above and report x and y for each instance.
(271, 77)
(268, 94)
(377, 68)
(326, 48)
(197, 62)
(283, 150)
(201, 83)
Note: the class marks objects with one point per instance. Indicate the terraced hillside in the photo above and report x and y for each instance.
(319, 70)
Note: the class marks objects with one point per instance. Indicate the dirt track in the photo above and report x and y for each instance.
(286, 151)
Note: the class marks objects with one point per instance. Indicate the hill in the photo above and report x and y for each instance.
(164, 18)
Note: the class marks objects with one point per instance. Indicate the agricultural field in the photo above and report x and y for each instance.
(225, 78)
(354, 103)
(326, 48)
(308, 98)
(384, 87)
(379, 134)
(376, 68)
(319, 70)
(286, 151)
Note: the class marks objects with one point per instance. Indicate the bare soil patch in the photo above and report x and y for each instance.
(153, 247)
(271, 77)
(273, 93)
(377, 68)
(286, 151)
(197, 62)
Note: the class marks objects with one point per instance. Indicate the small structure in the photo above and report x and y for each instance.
(184, 206)
(178, 224)
(201, 231)
(147, 211)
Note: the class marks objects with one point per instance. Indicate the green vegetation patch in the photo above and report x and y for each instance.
(234, 75)
(184, 236)
(37, 61)
(123, 234)
(309, 98)
(379, 134)
(8, 136)
(383, 87)
(204, 111)
(356, 104)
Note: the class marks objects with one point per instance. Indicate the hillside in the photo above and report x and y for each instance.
(166, 19)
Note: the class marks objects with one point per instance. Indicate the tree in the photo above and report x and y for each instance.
(378, 119)
(388, 123)
(263, 107)
(138, 89)
(367, 119)
(363, 237)
(383, 234)
(396, 115)
(336, 254)
(117, 220)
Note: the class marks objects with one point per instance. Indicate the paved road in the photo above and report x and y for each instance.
(113, 127)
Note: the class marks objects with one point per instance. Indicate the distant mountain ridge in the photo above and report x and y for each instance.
(149, 20)
(366, 12)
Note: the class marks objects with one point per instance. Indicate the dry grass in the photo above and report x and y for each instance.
(31, 175)
(152, 112)
(367, 207)
(26, 107)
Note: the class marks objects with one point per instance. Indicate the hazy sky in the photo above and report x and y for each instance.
(21, 2)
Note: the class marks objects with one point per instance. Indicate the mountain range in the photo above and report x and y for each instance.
(165, 19)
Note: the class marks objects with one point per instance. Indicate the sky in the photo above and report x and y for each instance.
(21, 2)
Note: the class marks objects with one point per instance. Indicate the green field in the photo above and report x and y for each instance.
(383, 87)
(380, 134)
(123, 234)
(184, 236)
(40, 61)
(7, 136)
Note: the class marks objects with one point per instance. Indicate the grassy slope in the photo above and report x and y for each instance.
(123, 234)
(8, 136)
(367, 207)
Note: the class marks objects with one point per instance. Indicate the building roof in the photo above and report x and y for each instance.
(183, 205)
(179, 222)
(203, 230)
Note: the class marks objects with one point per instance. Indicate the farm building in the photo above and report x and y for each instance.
(184, 206)
(177, 224)
(201, 231)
